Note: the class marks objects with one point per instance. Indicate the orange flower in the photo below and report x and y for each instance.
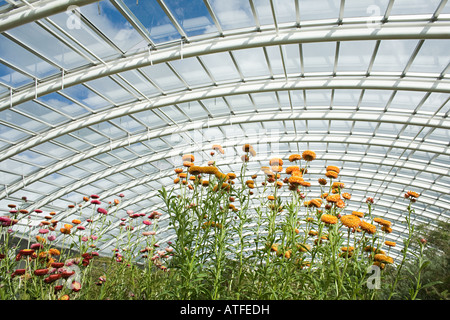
(231, 176)
(205, 183)
(368, 227)
(294, 157)
(176, 180)
(358, 214)
(390, 243)
(291, 169)
(116, 201)
(247, 147)
(316, 202)
(277, 168)
(52, 213)
(322, 181)
(188, 164)
(68, 226)
(178, 170)
(195, 170)
(271, 197)
(295, 180)
(413, 194)
(309, 155)
(329, 219)
(337, 185)
(219, 148)
(85, 199)
(276, 162)
(383, 258)
(346, 195)
(333, 198)
(65, 231)
(188, 157)
(333, 168)
(340, 203)
(350, 221)
(386, 229)
(382, 222)
(331, 174)
(75, 221)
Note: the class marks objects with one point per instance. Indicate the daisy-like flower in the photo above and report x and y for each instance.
(358, 214)
(188, 157)
(331, 174)
(386, 229)
(187, 164)
(276, 162)
(294, 157)
(76, 221)
(390, 243)
(382, 222)
(333, 198)
(329, 219)
(295, 180)
(309, 155)
(413, 194)
(333, 168)
(383, 258)
(291, 169)
(102, 211)
(350, 221)
(368, 227)
(317, 202)
(218, 147)
(271, 198)
(322, 181)
(346, 195)
(195, 170)
(95, 201)
(247, 147)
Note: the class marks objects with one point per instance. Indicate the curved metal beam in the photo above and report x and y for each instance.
(39, 10)
(263, 117)
(371, 82)
(388, 30)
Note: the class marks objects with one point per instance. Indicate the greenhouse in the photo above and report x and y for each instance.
(224, 150)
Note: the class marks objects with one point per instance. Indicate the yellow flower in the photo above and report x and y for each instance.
(350, 221)
(231, 176)
(271, 197)
(337, 184)
(309, 155)
(188, 157)
(291, 169)
(294, 157)
(346, 195)
(390, 243)
(368, 227)
(413, 194)
(276, 162)
(333, 198)
(358, 214)
(316, 202)
(333, 168)
(331, 174)
(195, 170)
(386, 229)
(383, 258)
(329, 219)
(383, 222)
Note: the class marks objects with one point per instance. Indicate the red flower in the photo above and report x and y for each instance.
(95, 196)
(67, 274)
(52, 278)
(40, 272)
(57, 264)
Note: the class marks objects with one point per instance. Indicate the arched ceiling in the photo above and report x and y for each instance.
(104, 97)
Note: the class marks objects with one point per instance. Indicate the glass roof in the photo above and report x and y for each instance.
(104, 97)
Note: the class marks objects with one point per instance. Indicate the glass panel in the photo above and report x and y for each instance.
(216, 106)
(53, 150)
(41, 113)
(193, 16)
(136, 79)
(406, 100)
(85, 96)
(240, 103)
(192, 109)
(22, 121)
(355, 55)
(128, 124)
(265, 100)
(393, 55)
(263, 11)
(291, 55)
(319, 9)
(12, 78)
(233, 14)
(318, 98)
(375, 98)
(43, 42)
(221, 66)
(251, 62)
(63, 105)
(348, 97)
(285, 10)
(72, 142)
(114, 25)
(150, 119)
(319, 57)
(152, 17)
(90, 136)
(12, 135)
(34, 158)
(109, 130)
(111, 90)
(25, 60)
(163, 77)
(402, 7)
(434, 102)
(365, 8)
(191, 71)
(432, 57)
